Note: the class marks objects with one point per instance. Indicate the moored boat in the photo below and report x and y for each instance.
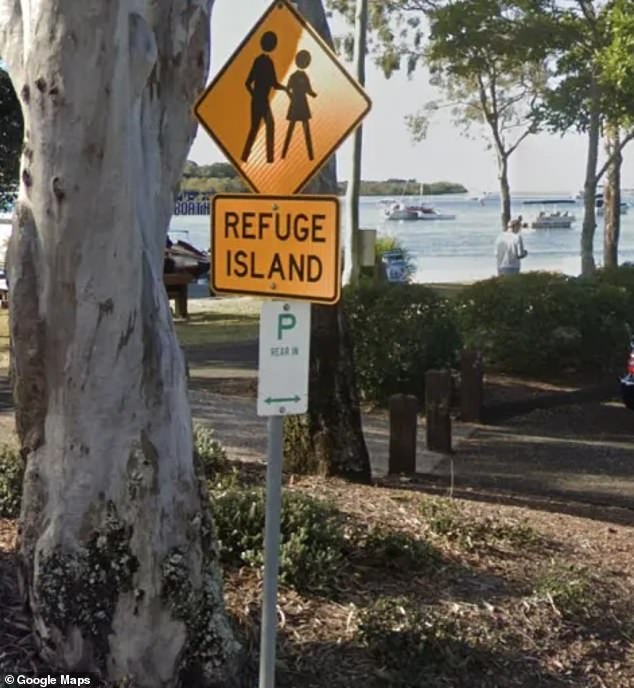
(550, 216)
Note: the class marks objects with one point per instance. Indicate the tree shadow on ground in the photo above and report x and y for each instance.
(578, 453)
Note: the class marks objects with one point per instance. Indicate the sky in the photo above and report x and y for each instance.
(543, 163)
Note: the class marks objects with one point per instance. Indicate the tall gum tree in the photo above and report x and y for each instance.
(118, 555)
(328, 439)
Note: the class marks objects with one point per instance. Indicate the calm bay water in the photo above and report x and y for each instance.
(462, 249)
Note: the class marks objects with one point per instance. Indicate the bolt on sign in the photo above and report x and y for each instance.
(282, 104)
(281, 246)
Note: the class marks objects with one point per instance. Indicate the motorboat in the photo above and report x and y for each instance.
(427, 213)
(182, 257)
(550, 216)
(599, 205)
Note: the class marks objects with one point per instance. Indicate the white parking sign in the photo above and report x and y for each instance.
(284, 358)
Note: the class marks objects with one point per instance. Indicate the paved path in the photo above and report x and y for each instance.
(243, 433)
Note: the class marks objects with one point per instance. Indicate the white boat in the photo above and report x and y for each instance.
(427, 213)
(550, 216)
(599, 205)
(395, 210)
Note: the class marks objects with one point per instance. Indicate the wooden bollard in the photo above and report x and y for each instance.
(471, 389)
(403, 416)
(437, 404)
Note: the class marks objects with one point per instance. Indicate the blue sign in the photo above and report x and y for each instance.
(182, 207)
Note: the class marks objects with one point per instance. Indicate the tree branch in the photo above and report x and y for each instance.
(617, 151)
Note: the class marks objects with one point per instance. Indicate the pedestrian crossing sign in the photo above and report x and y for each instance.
(282, 104)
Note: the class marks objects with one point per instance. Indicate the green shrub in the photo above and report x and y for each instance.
(623, 278)
(543, 323)
(398, 551)
(399, 331)
(11, 476)
(311, 535)
(210, 452)
(417, 646)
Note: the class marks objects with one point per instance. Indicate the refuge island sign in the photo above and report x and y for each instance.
(277, 246)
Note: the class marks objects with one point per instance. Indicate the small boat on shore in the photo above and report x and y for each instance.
(182, 257)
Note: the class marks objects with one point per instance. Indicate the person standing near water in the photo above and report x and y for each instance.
(260, 82)
(509, 249)
(299, 89)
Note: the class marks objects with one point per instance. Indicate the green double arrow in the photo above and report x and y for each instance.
(270, 400)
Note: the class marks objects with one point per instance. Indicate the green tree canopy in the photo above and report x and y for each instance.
(11, 128)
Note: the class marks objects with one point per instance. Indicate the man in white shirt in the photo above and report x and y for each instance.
(509, 249)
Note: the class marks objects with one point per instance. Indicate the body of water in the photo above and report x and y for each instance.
(462, 249)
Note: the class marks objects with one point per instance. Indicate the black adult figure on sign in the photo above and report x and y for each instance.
(260, 82)
(299, 89)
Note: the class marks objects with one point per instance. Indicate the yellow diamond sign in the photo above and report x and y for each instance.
(282, 104)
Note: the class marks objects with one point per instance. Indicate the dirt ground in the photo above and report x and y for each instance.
(509, 565)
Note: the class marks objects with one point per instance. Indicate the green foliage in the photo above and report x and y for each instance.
(11, 128)
(445, 519)
(311, 535)
(217, 170)
(417, 333)
(213, 185)
(621, 277)
(210, 452)
(540, 323)
(570, 589)
(404, 187)
(11, 476)
(399, 551)
(416, 645)
(390, 243)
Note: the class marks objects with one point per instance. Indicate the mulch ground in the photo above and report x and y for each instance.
(461, 593)
(498, 597)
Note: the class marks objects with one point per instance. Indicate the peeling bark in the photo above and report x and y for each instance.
(111, 505)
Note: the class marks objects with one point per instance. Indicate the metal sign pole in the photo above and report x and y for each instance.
(271, 550)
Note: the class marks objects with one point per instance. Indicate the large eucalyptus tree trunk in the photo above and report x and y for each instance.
(328, 439)
(118, 557)
(612, 200)
(590, 184)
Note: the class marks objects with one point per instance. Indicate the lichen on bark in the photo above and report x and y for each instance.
(81, 588)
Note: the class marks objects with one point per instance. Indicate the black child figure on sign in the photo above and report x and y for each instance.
(299, 89)
(260, 82)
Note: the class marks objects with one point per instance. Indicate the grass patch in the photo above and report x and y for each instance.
(208, 327)
(417, 646)
(445, 519)
(570, 589)
(398, 551)
(4, 338)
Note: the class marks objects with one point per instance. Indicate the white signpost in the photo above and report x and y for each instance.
(282, 390)
(284, 354)
(276, 169)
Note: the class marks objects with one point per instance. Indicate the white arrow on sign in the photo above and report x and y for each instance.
(284, 358)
